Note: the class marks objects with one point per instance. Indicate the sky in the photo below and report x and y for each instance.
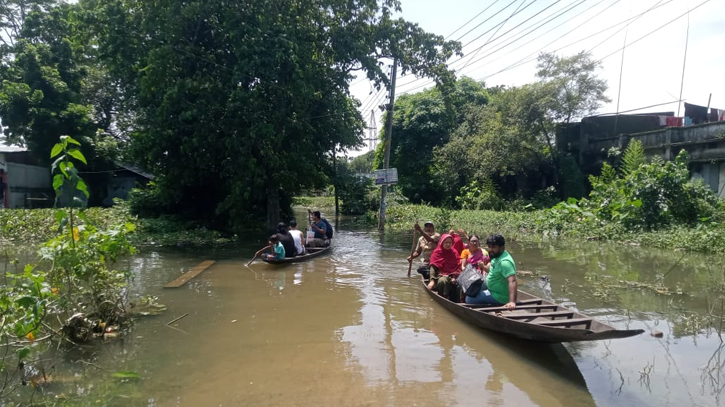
(500, 46)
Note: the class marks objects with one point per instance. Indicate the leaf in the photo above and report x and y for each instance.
(26, 301)
(57, 149)
(63, 168)
(75, 153)
(84, 217)
(70, 139)
(57, 181)
(60, 215)
(23, 353)
(81, 186)
(126, 375)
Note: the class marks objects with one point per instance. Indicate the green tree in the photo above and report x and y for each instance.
(45, 91)
(239, 105)
(576, 90)
(423, 122)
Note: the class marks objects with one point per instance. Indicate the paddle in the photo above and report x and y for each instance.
(257, 254)
(412, 250)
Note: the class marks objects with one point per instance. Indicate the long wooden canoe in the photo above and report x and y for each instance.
(311, 253)
(534, 319)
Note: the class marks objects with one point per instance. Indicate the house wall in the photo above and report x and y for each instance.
(119, 187)
(29, 186)
(705, 144)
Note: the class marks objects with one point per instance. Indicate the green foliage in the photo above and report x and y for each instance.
(633, 158)
(575, 90)
(572, 178)
(480, 195)
(422, 123)
(148, 202)
(651, 195)
(567, 221)
(69, 187)
(226, 114)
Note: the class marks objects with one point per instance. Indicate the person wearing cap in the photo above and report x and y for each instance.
(427, 242)
(501, 287)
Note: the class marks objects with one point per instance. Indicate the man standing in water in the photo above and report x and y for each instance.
(426, 244)
(501, 281)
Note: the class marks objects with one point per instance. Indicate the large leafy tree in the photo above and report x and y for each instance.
(510, 142)
(423, 122)
(239, 104)
(48, 87)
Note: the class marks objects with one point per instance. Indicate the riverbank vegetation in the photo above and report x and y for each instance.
(73, 293)
(35, 226)
(644, 202)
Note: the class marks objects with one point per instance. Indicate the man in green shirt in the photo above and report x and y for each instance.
(501, 281)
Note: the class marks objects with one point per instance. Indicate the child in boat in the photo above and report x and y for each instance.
(276, 251)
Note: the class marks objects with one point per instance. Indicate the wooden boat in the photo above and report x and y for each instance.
(311, 253)
(534, 319)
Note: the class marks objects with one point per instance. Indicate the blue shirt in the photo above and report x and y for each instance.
(318, 234)
(279, 251)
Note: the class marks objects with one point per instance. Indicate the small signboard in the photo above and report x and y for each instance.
(386, 177)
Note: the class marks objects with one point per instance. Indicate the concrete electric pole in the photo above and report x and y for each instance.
(386, 145)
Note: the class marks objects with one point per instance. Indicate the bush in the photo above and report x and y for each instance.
(480, 195)
(651, 196)
(148, 202)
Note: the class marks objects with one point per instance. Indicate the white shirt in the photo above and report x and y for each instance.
(297, 237)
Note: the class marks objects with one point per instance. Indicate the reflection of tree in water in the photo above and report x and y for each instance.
(713, 375)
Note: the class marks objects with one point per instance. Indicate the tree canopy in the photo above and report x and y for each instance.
(235, 106)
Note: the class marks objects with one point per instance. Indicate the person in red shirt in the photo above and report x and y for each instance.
(445, 267)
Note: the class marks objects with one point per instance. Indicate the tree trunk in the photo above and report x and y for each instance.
(272, 207)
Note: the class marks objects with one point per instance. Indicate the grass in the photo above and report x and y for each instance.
(543, 224)
(321, 203)
(34, 226)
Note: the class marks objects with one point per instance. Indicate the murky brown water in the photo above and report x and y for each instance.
(349, 329)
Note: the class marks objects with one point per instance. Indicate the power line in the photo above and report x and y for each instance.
(484, 21)
(474, 17)
(497, 29)
(528, 58)
(639, 108)
(565, 9)
(656, 29)
(625, 27)
(469, 31)
(536, 28)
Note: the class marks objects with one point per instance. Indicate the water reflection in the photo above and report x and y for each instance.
(350, 329)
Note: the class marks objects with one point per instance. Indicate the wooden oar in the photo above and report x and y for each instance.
(412, 250)
(257, 255)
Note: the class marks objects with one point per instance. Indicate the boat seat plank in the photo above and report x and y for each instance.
(566, 322)
(532, 307)
(532, 315)
(533, 301)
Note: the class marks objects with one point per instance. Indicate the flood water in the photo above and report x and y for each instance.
(350, 329)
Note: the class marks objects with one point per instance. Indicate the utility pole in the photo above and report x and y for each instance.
(386, 146)
(334, 166)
